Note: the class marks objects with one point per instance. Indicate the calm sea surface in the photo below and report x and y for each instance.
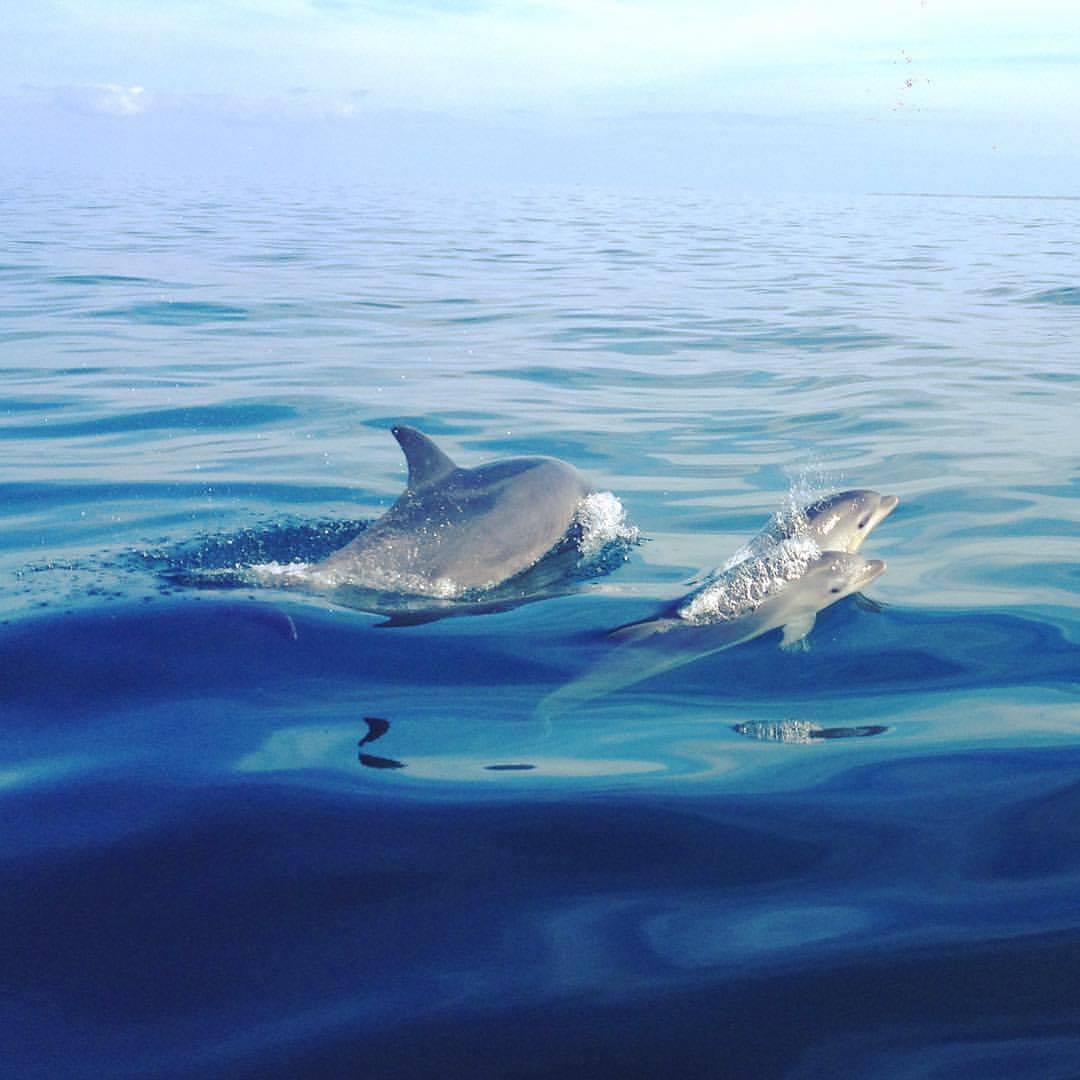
(204, 873)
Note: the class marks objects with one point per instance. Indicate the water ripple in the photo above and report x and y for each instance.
(172, 313)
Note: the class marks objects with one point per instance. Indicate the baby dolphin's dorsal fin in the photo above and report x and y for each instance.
(427, 463)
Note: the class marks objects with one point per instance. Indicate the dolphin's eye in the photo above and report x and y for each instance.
(834, 590)
(862, 524)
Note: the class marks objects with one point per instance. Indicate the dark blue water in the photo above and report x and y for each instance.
(214, 865)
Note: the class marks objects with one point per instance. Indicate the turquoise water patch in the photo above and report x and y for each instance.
(193, 418)
(172, 313)
(1067, 294)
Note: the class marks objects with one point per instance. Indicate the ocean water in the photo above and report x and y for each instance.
(360, 850)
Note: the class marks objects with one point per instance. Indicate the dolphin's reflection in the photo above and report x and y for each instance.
(377, 727)
(802, 731)
(786, 731)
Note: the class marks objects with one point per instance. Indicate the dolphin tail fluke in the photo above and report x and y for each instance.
(642, 651)
(611, 674)
(639, 631)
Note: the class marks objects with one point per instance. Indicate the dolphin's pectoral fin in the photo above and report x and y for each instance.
(795, 631)
(409, 618)
(427, 463)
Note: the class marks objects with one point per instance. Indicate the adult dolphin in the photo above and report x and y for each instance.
(457, 530)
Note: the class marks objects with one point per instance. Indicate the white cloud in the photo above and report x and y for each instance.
(298, 104)
(109, 99)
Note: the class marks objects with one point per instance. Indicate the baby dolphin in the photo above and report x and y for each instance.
(786, 588)
(458, 529)
(803, 561)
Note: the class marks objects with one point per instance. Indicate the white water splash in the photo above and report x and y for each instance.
(740, 589)
(598, 539)
(279, 574)
(785, 731)
(790, 521)
(601, 517)
(301, 574)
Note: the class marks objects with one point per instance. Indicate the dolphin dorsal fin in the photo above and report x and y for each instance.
(427, 463)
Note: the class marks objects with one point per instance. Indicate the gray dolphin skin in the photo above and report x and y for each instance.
(804, 560)
(456, 529)
(792, 590)
(838, 522)
(785, 590)
(782, 552)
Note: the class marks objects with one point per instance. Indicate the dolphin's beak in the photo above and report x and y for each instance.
(887, 505)
(872, 569)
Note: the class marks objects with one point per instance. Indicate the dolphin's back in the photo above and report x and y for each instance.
(469, 529)
(488, 524)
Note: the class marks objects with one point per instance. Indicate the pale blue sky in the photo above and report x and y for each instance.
(845, 95)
